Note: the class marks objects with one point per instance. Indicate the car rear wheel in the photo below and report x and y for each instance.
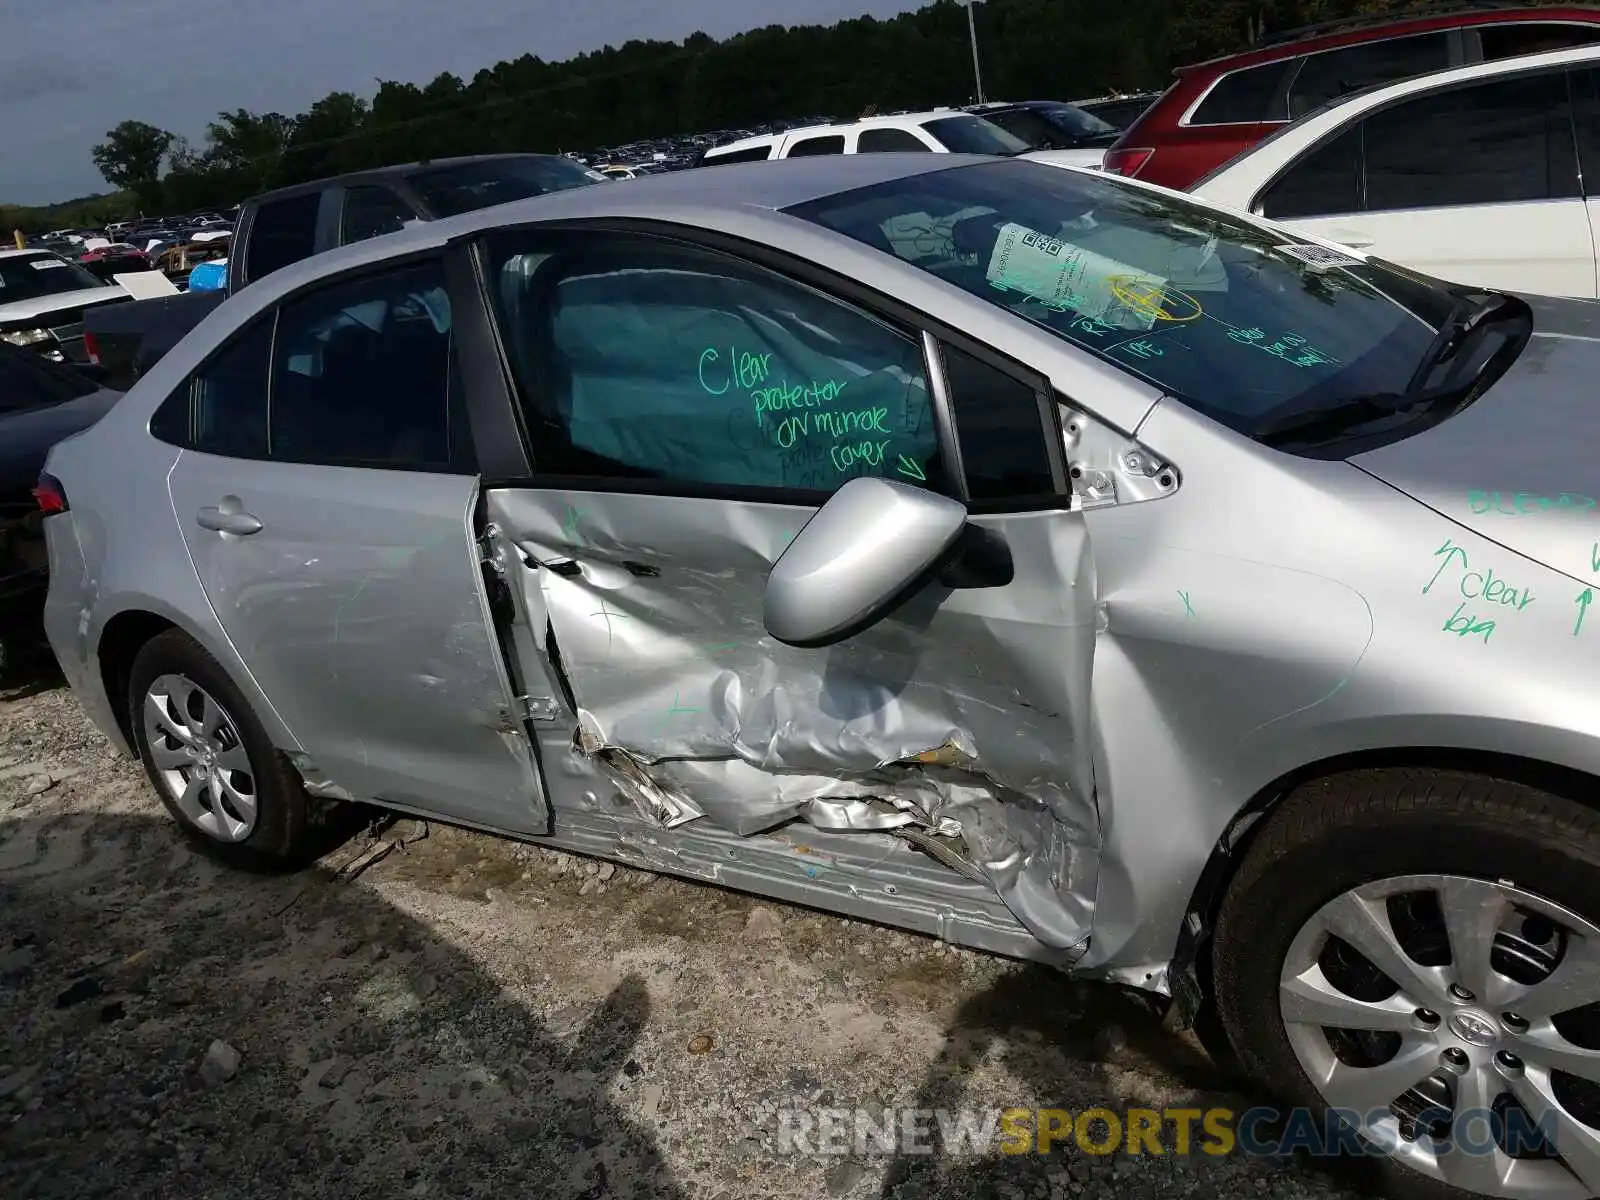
(210, 760)
(1417, 954)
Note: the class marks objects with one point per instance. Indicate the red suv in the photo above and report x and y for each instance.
(1220, 108)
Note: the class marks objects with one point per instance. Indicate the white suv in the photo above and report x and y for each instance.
(941, 131)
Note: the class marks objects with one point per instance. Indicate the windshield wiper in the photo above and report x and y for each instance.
(1466, 319)
(1335, 418)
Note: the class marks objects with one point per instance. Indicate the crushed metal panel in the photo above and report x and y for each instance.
(961, 709)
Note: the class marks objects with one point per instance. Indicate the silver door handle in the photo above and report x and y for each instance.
(238, 523)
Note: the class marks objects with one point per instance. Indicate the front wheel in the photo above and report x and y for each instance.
(1417, 955)
(209, 759)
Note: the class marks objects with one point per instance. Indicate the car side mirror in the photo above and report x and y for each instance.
(864, 551)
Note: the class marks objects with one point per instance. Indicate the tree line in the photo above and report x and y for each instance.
(1055, 49)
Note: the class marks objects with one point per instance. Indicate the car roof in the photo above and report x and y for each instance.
(13, 252)
(1329, 116)
(877, 119)
(392, 171)
(1375, 27)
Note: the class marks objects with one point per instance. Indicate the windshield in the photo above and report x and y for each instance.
(465, 187)
(1074, 121)
(27, 276)
(1235, 319)
(966, 134)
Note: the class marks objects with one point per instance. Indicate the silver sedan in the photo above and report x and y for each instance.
(1026, 556)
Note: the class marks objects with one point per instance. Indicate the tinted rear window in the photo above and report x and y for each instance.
(807, 147)
(1532, 37)
(465, 187)
(283, 232)
(1326, 77)
(1246, 97)
(973, 135)
(749, 154)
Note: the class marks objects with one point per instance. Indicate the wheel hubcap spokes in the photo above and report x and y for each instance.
(1456, 1023)
(200, 758)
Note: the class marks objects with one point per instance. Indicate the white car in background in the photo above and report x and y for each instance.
(42, 300)
(941, 131)
(1474, 175)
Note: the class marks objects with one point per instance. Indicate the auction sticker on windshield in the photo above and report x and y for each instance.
(45, 264)
(1063, 276)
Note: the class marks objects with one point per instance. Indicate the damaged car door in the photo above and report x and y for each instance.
(688, 412)
(326, 494)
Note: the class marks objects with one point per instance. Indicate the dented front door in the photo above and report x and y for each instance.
(965, 709)
(686, 411)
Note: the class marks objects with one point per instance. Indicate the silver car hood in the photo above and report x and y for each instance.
(1518, 466)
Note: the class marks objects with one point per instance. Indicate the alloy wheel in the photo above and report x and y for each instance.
(1456, 1023)
(199, 758)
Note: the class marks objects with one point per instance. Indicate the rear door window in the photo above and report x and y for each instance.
(806, 147)
(1334, 73)
(749, 154)
(283, 232)
(1498, 142)
(1532, 37)
(370, 212)
(1249, 96)
(872, 141)
(362, 373)
(1326, 180)
(230, 397)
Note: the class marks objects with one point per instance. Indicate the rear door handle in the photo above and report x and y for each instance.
(227, 520)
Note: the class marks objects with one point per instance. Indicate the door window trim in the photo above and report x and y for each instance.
(1565, 69)
(892, 312)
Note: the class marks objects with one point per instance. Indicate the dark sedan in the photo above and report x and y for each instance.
(41, 402)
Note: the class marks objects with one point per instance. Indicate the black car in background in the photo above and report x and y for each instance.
(41, 402)
(1048, 124)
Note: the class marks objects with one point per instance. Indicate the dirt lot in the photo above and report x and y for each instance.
(471, 1017)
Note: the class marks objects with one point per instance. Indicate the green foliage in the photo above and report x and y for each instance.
(130, 158)
(1030, 49)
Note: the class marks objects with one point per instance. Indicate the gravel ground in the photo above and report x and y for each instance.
(472, 1017)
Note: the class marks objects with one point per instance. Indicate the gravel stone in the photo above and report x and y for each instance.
(220, 1064)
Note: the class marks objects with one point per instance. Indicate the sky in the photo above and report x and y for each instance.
(72, 69)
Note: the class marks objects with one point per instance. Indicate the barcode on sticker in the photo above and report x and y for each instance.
(1321, 256)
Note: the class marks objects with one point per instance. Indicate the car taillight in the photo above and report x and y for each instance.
(91, 347)
(52, 497)
(1127, 162)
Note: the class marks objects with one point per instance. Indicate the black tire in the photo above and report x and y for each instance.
(285, 814)
(1334, 834)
